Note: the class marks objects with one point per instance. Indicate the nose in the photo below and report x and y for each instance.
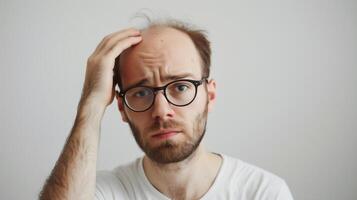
(161, 110)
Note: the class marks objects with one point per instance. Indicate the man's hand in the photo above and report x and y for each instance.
(73, 176)
(98, 86)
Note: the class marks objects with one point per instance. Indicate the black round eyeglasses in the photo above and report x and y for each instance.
(180, 92)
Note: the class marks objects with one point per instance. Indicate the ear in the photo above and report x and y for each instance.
(124, 117)
(211, 94)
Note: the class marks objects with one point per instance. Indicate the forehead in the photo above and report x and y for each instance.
(163, 52)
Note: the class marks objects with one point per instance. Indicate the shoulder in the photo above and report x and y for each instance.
(252, 181)
(248, 172)
(113, 184)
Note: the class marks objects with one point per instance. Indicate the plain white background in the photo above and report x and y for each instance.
(286, 79)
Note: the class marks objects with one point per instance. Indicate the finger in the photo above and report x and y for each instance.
(106, 38)
(113, 41)
(109, 40)
(121, 45)
(107, 59)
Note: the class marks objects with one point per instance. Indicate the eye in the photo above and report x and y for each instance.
(140, 93)
(181, 87)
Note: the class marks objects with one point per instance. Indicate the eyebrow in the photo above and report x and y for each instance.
(165, 79)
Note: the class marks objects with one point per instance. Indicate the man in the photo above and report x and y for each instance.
(165, 95)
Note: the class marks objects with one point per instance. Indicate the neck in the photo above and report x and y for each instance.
(187, 179)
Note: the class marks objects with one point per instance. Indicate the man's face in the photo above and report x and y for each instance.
(166, 133)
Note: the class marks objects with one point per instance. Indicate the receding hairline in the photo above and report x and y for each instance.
(196, 35)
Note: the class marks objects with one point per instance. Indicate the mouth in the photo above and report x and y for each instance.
(165, 134)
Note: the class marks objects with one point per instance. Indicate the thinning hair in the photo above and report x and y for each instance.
(198, 37)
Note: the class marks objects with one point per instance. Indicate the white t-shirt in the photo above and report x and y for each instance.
(236, 180)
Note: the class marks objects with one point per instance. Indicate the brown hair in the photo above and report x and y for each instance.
(198, 37)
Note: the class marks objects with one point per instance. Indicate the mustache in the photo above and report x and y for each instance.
(159, 124)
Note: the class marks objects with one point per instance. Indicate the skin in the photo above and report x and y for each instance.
(74, 174)
(158, 53)
(165, 53)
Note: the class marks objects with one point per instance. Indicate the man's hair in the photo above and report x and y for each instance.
(198, 37)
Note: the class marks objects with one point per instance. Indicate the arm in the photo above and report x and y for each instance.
(74, 174)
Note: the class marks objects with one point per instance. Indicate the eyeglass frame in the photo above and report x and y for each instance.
(154, 90)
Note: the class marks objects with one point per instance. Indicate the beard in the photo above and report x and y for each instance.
(170, 151)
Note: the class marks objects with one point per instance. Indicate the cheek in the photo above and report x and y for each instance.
(199, 104)
(188, 114)
(140, 120)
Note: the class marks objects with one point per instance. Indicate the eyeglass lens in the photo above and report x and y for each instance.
(178, 93)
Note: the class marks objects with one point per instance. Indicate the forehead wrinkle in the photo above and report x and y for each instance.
(152, 59)
(162, 52)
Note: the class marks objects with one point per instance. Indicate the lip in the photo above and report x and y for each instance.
(165, 134)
